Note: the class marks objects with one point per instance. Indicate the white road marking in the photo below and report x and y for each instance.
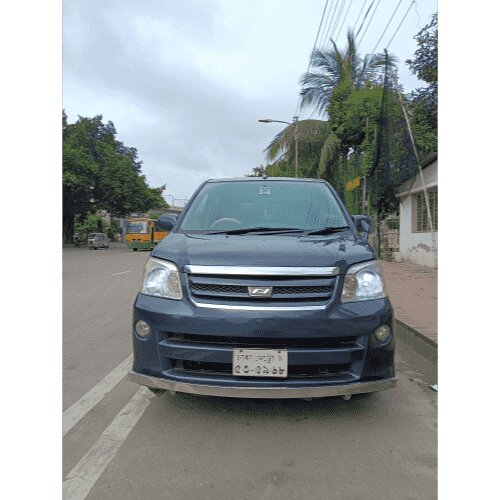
(96, 261)
(87, 471)
(123, 272)
(78, 410)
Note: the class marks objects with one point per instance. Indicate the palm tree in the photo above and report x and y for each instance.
(333, 66)
(321, 152)
(311, 136)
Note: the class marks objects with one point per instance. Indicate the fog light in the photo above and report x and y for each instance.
(382, 333)
(142, 328)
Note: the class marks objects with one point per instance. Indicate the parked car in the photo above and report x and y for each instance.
(266, 288)
(97, 240)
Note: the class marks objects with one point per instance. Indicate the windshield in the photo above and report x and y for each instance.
(138, 227)
(222, 206)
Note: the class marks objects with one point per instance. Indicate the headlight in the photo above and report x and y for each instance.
(162, 279)
(363, 282)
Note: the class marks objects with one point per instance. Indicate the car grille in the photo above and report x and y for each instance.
(298, 371)
(263, 342)
(234, 289)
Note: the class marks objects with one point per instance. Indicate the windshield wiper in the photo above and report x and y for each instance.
(326, 230)
(266, 230)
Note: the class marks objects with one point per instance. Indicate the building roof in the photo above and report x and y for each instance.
(426, 161)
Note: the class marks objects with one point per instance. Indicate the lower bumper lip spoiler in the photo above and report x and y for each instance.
(262, 392)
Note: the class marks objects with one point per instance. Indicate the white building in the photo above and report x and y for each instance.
(417, 243)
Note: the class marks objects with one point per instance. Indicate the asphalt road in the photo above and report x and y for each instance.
(120, 442)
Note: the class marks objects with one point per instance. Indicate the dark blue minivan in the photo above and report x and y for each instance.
(265, 288)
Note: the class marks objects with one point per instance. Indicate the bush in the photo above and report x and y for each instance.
(114, 229)
(92, 223)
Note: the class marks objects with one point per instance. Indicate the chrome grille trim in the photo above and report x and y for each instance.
(259, 308)
(262, 271)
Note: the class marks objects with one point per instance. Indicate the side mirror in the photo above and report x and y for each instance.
(363, 225)
(167, 221)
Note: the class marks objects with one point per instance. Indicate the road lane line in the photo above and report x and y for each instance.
(123, 272)
(87, 471)
(78, 410)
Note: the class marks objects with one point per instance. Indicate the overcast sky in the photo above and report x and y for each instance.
(185, 81)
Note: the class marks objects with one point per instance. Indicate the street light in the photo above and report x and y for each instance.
(173, 199)
(295, 136)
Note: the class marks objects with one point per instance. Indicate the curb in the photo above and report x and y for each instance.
(425, 346)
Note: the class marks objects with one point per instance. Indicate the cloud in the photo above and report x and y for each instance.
(186, 81)
(138, 68)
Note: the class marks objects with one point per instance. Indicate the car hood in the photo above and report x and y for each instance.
(341, 250)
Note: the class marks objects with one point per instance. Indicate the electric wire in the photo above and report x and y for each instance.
(383, 32)
(319, 29)
(399, 26)
(339, 14)
(356, 23)
(322, 26)
(364, 18)
(369, 22)
(328, 23)
(314, 47)
(341, 26)
(328, 29)
(418, 16)
(359, 15)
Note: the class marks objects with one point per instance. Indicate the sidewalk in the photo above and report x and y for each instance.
(412, 290)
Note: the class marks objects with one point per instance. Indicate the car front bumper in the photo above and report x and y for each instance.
(190, 349)
(263, 392)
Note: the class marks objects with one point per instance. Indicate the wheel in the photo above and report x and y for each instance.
(134, 249)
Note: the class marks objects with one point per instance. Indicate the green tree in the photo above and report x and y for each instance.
(347, 88)
(101, 173)
(354, 119)
(423, 101)
(332, 66)
(311, 135)
(114, 229)
(79, 172)
(91, 223)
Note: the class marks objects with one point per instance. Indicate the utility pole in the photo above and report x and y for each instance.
(296, 137)
(364, 195)
(422, 179)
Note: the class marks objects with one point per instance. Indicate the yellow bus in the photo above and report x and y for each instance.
(139, 233)
(143, 233)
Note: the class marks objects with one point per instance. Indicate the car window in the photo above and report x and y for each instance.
(290, 204)
(138, 227)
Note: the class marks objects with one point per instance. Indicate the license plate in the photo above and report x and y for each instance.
(260, 363)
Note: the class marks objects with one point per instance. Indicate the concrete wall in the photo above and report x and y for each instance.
(416, 248)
